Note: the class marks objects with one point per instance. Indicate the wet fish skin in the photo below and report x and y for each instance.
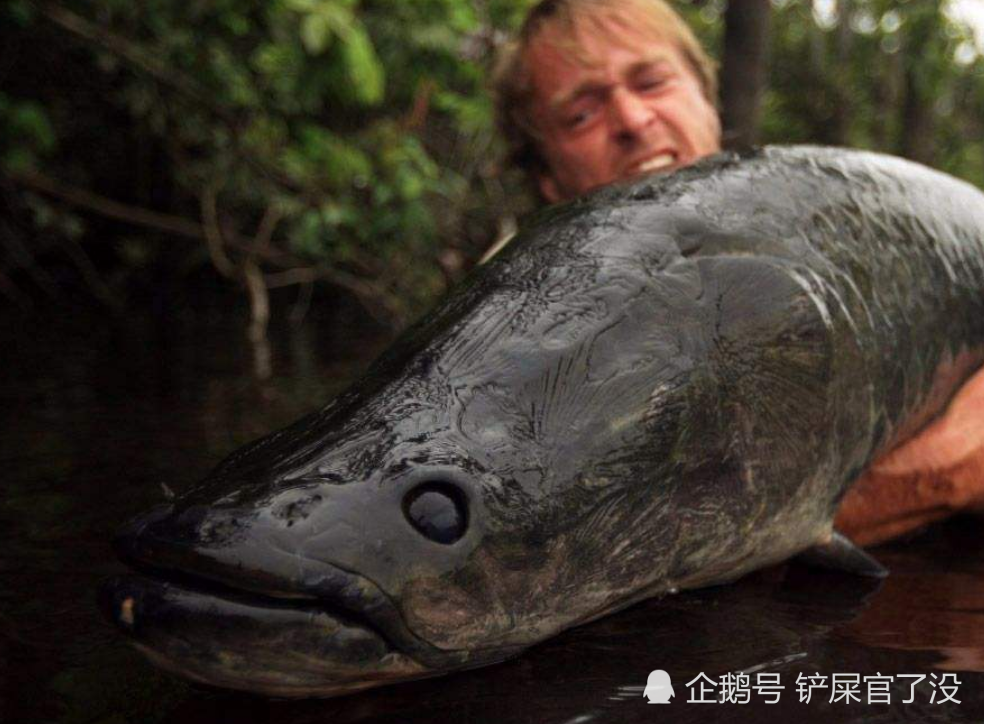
(660, 386)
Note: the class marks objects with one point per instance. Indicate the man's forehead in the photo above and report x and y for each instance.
(587, 44)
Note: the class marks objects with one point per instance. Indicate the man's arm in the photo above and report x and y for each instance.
(929, 477)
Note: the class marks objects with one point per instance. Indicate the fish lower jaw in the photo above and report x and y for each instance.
(277, 646)
(268, 685)
(244, 641)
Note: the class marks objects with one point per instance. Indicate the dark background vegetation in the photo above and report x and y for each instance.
(344, 149)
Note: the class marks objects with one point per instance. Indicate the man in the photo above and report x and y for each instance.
(598, 91)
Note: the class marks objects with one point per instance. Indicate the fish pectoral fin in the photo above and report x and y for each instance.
(840, 554)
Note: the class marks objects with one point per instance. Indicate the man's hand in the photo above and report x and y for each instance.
(936, 473)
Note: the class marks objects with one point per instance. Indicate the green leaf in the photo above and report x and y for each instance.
(17, 160)
(301, 6)
(321, 157)
(21, 12)
(339, 16)
(472, 115)
(27, 124)
(316, 32)
(363, 66)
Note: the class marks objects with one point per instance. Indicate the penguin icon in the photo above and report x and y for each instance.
(659, 688)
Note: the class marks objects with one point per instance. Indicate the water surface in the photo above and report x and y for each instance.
(98, 417)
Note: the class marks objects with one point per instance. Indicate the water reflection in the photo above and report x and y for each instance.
(934, 602)
(95, 418)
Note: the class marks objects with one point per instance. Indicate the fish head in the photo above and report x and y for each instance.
(287, 570)
(385, 538)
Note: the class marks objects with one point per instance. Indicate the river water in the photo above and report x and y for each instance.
(98, 416)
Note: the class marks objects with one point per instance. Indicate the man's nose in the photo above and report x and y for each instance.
(630, 113)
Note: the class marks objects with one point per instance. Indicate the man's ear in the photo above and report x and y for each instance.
(548, 187)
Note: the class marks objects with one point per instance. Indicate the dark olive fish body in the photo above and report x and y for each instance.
(661, 386)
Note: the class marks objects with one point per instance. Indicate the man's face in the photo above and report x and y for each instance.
(634, 107)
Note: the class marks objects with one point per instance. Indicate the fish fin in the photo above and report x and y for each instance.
(840, 554)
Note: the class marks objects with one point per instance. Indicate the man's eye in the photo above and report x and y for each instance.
(650, 83)
(580, 115)
(577, 119)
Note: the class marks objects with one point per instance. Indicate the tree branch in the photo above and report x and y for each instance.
(108, 207)
(213, 235)
(166, 223)
(264, 232)
(372, 295)
(383, 307)
(259, 318)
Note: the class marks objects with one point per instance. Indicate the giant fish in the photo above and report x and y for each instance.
(660, 386)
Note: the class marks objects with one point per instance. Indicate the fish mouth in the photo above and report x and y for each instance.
(238, 640)
(225, 615)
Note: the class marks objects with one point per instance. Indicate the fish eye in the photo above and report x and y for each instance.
(437, 510)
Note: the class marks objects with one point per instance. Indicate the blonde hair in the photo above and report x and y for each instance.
(511, 84)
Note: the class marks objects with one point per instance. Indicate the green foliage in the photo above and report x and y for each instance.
(351, 118)
(366, 127)
(879, 74)
(26, 134)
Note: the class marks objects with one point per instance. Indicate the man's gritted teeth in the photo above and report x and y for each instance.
(661, 162)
